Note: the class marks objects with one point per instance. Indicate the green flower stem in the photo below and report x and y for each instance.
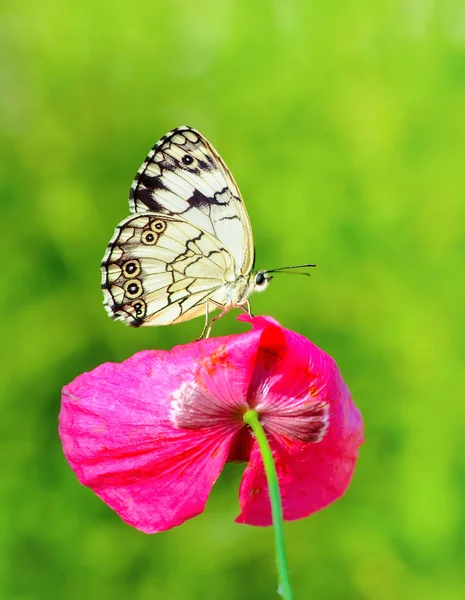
(251, 418)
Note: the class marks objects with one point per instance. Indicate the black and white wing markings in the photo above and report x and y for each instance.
(159, 270)
(183, 175)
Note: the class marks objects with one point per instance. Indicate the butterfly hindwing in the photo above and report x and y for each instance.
(184, 176)
(160, 269)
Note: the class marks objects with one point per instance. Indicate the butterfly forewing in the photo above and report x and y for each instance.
(160, 269)
(184, 176)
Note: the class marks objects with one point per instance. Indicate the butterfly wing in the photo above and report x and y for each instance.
(159, 270)
(184, 176)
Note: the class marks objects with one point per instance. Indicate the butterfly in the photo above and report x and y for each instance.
(187, 247)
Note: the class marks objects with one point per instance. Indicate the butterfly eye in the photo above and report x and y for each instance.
(131, 268)
(260, 278)
(133, 288)
(159, 226)
(187, 159)
(149, 238)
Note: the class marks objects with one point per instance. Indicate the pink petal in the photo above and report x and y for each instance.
(118, 436)
(311, 474)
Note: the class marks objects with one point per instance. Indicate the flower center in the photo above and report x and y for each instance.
(195, 407)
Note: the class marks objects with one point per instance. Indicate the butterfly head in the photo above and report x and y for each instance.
(260, 281)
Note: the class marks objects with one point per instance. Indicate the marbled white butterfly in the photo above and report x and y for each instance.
(187, 248)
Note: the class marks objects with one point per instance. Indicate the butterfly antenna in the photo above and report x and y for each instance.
(290, 271)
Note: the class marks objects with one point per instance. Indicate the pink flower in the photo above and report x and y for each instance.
(151, 435)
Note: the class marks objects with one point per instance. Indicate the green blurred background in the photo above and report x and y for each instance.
(344, 124)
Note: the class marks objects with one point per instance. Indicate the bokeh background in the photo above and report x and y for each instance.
(343, 122)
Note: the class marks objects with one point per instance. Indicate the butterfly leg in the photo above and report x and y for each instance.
(246, 308)
(205, 327)
(209, 323)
